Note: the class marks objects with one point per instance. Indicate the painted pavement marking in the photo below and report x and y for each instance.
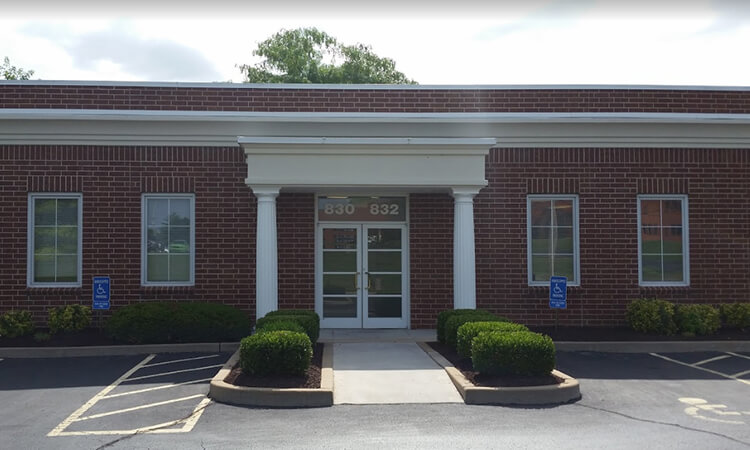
(715, 358)
(175, 372)
(187, 422)
(695, 366)
(699, 405)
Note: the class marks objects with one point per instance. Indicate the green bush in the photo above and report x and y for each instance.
(516, 353)
(166, 322)
(455, 321)
(276, 353)
(16, 323)
(294, 312)
(468, 331)
(280, 325)
(41, 337)
(443, 316)
(651, 316)
(310, 323)
(697, 319)
(735, 315)
(69, 318)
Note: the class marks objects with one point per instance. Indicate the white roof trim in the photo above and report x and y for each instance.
(410, 87)
(485, 143)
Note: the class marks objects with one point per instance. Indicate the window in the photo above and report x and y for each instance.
(54, 240)
(168, 234)
(663, 240)
(552, 231)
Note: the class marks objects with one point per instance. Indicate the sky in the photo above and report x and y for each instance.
(656, 42)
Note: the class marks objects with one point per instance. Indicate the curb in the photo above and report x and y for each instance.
(565, 392)
(223, 392)
(115, 350)
(654, 346)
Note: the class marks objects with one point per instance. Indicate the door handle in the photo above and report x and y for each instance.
(369, 282)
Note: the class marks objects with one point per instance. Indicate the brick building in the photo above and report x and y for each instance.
(379, 206)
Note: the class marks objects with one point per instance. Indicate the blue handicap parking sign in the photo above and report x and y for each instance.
(558, 292)
(101, 293)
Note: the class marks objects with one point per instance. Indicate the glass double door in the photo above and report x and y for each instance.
(362, 276)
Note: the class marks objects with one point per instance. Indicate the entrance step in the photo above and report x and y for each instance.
(376, 335)
(388, 373)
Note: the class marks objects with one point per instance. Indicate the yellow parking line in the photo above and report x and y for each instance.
(175, 371)
(167, 386)
(180, 360)
(136, 408)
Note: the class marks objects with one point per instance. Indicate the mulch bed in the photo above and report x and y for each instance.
(310, 380)
(478, 379)
(91, 336)
(616, 334)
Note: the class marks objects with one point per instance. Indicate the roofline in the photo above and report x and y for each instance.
(413, 87)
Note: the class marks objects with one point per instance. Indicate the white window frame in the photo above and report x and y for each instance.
(685, 241)
(30, 239)
(144, 239)
(576, 240)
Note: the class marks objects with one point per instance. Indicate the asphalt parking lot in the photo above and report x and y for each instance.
(682, 400)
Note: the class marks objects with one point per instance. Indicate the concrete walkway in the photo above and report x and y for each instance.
(388, 372)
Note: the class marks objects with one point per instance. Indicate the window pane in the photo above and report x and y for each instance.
(339, 306)
(563, 240)
(651, 240)
(44, 240)
(158, 267)
(67, 240)
(45, 211)
(158, 211)
(564, 267)
(340, 238)
(541, 240)
(541, 267)
(339, 284)
(672, 239)
(671, 214)
(385, 284)
(541, 214)
(384, 261)
(67, 211)
(179, 267)
(384, 238)
(384, 306)
(651, 266)
(650, 214)
(179, 213)
(179, 240)
(44, 268)
(564, 213)
(339, 261)
(67, 269)
(157, 239)
(673, 268)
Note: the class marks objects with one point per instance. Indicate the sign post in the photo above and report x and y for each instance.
(558, 294)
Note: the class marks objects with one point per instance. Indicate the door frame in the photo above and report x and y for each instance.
(405, 322)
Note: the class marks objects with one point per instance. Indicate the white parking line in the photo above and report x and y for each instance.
(136, 408)
(731, 377)
(168, 386)
(738, 355)
(174, 372)
(741, 374)
(716, 358)
(180, 360)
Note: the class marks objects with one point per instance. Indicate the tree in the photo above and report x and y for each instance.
(307, 55)
(9, 72)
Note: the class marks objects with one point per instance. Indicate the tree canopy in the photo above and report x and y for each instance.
(9, 72)
(307, 55)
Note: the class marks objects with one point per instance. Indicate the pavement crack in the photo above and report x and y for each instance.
(171, 424)
(658, 422)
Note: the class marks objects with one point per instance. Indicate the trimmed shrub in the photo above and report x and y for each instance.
(276, 353)
(651, 316)
(294, 312)
(468, 331)
(516, 353)
(697, 319)
(310, 323)
(735, 315)
(443, 316)
(69, 318)
(455, 321)
(16, 323)
(166, 322)
(280, 325)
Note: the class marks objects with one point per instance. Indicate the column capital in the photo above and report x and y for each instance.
(266, 192)
(464, 194)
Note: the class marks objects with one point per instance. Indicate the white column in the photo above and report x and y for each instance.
(266, 260)
(464, 260)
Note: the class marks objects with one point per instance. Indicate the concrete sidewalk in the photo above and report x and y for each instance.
(388, 372)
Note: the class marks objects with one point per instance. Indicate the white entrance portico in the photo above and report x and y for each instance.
(373, 167)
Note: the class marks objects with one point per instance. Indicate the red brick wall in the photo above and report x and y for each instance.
(133, 97)
(295, 217)
(112, 180)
